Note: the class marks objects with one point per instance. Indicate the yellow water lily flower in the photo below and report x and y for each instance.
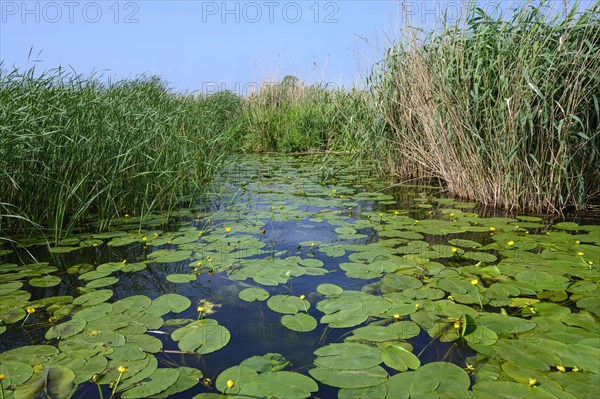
(457, 324)
(201, 309)
(470, 367)
(510, 243)
(450, 298)
(454, 249)
(576, 369)
(207, 381)
(561, 368)
(451, 215)
(580, 253)
(577, 242)
(230, 383)
(492, 228)
(302, 297)
(144, 238)
(227, 229)
(396, 213)
(475, 281)
(417, 305)
(397, 317)
(155, 235)
(124, 261)
(30, 310)
(532, 382)
(122, 369)
(2, 376)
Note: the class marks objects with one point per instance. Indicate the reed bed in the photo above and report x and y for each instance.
(72, 146)
(291, 116)
(503, 110)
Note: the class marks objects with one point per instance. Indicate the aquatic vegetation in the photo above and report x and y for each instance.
(380, 306)
(501, 106)
(72, 146)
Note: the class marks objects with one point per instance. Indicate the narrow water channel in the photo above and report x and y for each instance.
(302, 276)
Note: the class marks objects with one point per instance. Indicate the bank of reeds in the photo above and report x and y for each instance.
(71, 146)
(503, 110)
(290, 116)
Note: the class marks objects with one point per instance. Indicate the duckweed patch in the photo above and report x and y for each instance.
(288, 282)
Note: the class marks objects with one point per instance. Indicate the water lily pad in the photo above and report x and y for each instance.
(7, 288)
(301, 322)
(287, 304)
(188, 377)
(241, 375)
(15, 372)
(45, 281)
(328, 289)
(102, 282)
(159, 381)
(56, 381)
(253, 294)
(181, 278)
(170, 256)
(347, 356)
(350, 378)
(280, 384)
(66, 329)
(93, 298)
(267, 362)
(169, 303)
(399, 358)
(202, 337)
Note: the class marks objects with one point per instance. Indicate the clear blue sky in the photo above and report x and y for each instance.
(195, 45)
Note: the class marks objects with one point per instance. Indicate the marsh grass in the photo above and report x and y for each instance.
(503, 110)
(290, 116)
(71, 146)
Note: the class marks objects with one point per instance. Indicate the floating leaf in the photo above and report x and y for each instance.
(253, 294)
(181, 278)
(347, 356)
(159, 381)
(45, 281)
(301, 322)
(102, 282)
(287, 304)
(350, 378)
(169, 303)
(66, 329)
(399, 358)
(328, 289)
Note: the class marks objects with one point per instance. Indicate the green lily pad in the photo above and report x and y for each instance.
(7, 288)
(102, 282)
(253, 294)
(201, 337)
(159, 381)
(170, 256)
(280, 384)
(399, 358)
(287, 304)
(361, 378)
(301, 322)
(66, 329)
(328, 289)
(56, 381)
(45, 281)
(181, 278)
(347, 356)
(169, 303)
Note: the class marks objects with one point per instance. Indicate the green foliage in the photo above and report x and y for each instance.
(503, 109)
(71, 145)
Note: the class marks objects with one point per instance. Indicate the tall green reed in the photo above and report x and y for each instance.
(71, 146)
(504, 110)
